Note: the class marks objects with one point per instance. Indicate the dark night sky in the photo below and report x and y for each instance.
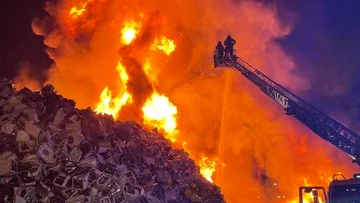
(324, 45)
(18, 44)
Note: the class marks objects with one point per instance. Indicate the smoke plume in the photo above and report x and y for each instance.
(221, 114)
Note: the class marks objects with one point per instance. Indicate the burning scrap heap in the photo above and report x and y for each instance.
(52, 152)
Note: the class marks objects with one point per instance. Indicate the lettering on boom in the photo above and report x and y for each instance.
(281, 99)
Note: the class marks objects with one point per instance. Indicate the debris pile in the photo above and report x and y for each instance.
(52, 152)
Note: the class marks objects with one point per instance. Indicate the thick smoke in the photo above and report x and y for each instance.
(25, 78)
(221, 114)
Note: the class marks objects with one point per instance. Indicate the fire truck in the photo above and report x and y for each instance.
(340, 189)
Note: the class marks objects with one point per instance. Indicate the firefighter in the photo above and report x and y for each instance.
(229, 46)
(220, 50)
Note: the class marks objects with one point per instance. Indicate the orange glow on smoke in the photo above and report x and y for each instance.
(165, 49)
(147, 68)
(161, 113)
(150, 72)
(108, 104)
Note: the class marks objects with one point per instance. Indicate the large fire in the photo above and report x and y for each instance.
(151, 60)
(158, 111)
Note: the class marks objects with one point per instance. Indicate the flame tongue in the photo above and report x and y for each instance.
(161, 113)
(164, 44)
(207, 168)
(129, 32)
(110, 105)
(76, 12)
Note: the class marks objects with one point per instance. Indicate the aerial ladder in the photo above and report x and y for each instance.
(340, 189)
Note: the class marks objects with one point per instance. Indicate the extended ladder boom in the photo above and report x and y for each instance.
(321, 124)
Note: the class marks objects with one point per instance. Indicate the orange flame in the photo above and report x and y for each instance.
(161, 113)
(164, 44)
(76, 12)
(129, 32)
(150, 72)
(207, 168)
(147, 67)
(110, 105)
(185, 147)
(308, 197)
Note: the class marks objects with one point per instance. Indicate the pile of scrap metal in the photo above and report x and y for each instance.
(52, 152)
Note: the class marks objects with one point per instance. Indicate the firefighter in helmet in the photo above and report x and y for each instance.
(229, 46)
(220, 50)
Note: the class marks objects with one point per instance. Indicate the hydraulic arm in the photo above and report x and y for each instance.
(321, 124)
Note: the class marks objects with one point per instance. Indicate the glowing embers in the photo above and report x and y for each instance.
(129, 31)
(110, 105)
(76, 12)
(164, 44)
(207, 167)
(161, 113)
